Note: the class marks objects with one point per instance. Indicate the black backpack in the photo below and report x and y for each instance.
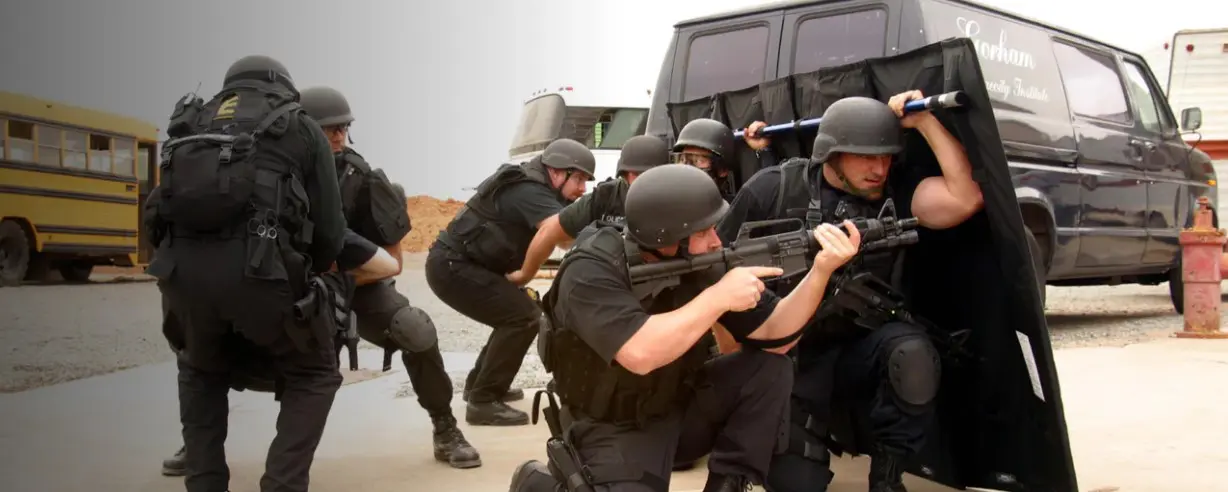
(379, 211)
(222, 167)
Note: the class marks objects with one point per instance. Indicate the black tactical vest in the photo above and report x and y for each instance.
(796, 199)
(480, 230)
(372, 207)
(351, 167)
(608, 199)
(609, 392)
(800, 184)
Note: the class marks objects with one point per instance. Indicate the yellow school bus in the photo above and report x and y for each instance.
(72, 181)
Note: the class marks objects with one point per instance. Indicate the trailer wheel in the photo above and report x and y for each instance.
(14, 253)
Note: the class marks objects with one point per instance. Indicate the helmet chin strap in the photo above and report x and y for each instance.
(867, 193)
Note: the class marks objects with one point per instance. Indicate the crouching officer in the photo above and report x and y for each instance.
(375, 208)
(880, 384)
(630, 368)
(639, 153)
(709, 145)
(250, 212)
(467, 264)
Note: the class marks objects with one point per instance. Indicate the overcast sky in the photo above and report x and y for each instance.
(436, 86)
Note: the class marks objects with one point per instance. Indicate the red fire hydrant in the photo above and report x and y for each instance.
(1202, 270)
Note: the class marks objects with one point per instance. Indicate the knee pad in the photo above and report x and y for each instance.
(412, 330)
(533, 476)
(914, 371)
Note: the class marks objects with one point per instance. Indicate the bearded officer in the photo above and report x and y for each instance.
(376, 210)
(633, 370)
(468, 263)
(889, 375)
(639, 153)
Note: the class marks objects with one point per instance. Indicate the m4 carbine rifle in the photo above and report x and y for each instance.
(790, 251)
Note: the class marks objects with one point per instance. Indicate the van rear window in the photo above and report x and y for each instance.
(833, 40)
(725, 61)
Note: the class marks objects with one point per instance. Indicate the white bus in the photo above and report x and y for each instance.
(600, 119)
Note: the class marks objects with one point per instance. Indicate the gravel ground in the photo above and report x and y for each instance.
(58, 333)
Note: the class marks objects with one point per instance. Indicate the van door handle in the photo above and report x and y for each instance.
(1147, 145)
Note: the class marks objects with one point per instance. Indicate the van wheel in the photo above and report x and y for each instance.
(1176, 287)
(14, 253)
(1038, 264)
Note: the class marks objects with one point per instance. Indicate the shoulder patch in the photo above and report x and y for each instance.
(226, 110)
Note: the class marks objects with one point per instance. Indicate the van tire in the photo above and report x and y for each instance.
(1176, 286)
(1038, 264)
(14, 253)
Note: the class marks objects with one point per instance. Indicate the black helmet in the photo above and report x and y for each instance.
(258, 67)
(641, 153)
(326, 105)
(857, 125)
(668, 203)
(566, 153)
(707, 134)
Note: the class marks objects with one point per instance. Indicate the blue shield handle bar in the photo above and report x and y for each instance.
(953, 99)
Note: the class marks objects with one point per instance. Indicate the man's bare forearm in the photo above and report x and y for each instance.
(549, 236)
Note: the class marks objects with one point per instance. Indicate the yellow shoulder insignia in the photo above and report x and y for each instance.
(227, 109)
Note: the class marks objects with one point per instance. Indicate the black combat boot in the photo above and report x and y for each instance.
(534, 476)
(451, 446)
(175, 466)
(514, 394)
(727, 483)
(494, 413)
(886, 472)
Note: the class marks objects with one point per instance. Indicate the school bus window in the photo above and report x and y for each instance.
(21, 141)
(75, 144)
(49, 145)
(124, 156)
(100, 153)
(142, 164)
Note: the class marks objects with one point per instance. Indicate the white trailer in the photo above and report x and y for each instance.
(1198, 78)
(601, 119)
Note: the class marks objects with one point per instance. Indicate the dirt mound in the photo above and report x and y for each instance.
(428, 215)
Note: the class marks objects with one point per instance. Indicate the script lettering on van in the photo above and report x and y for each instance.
(1002, 52)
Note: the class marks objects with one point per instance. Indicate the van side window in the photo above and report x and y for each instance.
(1147, 110)
(1093, 86)
(725, 61)
(838, 39)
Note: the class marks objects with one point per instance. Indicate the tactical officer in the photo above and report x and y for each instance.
(467, 265)
(884, 380)
(605, 203)
(709, 145)
(249, 210)
(376, 209)
(633, 369)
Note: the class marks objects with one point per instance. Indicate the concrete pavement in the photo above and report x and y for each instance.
(1142, 418)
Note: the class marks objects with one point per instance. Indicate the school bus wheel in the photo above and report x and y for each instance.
(76, 271)
(14, 253)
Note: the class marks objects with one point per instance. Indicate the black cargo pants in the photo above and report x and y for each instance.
(224, 316)
(736, 417)
(488, 298)
(847, 384)
(375, 306)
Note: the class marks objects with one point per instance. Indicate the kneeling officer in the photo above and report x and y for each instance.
(642, 388)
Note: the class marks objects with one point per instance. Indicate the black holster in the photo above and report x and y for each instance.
(564, 462)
